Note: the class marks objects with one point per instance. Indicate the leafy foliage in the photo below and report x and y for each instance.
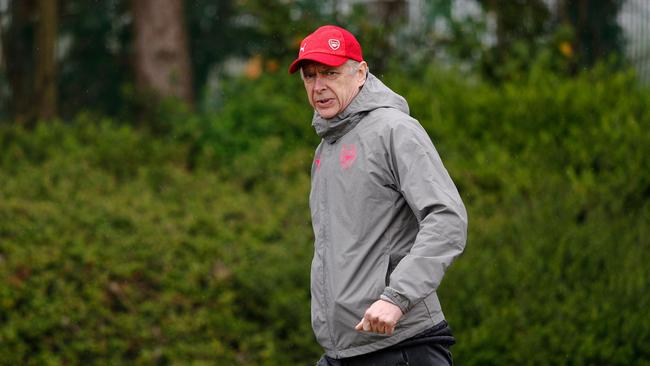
(553, 172)
(118, 246)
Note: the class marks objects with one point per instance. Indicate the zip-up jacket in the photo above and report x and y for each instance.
(387, 219)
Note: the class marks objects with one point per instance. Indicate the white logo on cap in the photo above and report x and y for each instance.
(302, 49)
(334, 44)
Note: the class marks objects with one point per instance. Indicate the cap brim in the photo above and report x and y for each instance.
(322, 58)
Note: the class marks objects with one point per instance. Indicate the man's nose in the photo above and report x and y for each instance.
(319, 83)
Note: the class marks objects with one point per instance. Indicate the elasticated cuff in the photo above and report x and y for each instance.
(394, 297)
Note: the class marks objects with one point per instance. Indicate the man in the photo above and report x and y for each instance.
(387, 218)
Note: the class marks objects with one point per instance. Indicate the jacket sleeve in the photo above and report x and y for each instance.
(426, 186)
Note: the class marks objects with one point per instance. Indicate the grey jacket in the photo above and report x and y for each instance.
(387, 218)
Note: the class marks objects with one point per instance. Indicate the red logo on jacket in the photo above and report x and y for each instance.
(348, 155)
(317, 163)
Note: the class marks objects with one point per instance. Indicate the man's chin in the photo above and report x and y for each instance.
(327, 114)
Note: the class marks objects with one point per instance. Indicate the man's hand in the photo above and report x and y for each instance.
(381, 317)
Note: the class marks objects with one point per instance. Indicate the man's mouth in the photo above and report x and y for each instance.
(324, 102)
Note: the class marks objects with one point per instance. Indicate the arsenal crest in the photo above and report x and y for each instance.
(348, 155)
(334, 44)
(317, 163)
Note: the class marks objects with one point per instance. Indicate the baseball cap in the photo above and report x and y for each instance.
(329, 45)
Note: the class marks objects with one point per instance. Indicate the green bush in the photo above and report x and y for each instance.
(118, 246)
(113, 252)
(556, 176)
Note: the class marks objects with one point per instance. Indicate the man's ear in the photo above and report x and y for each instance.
(362, 73)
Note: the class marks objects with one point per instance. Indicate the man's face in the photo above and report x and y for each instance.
(331, 89)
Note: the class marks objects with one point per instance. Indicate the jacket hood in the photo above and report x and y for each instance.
(373, 95)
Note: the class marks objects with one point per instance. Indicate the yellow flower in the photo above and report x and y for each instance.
(566, 49)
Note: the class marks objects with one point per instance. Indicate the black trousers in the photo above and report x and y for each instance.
(429, 349)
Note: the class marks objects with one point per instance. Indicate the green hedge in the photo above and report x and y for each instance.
(118, 246)
(556, 174)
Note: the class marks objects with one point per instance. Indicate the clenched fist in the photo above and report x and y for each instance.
(381, 317)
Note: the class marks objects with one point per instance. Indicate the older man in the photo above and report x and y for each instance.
(387, 218)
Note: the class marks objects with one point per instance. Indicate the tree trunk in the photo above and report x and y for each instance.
(19, 61)
(162, 60)
(45, 95)
(3, 46)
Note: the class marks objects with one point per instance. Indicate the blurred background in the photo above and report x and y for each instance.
(155, 159)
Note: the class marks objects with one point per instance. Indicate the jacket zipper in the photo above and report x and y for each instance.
(326, 227)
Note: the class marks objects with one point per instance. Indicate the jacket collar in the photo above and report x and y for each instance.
(373, 94)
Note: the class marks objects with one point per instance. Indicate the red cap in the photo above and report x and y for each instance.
(329, 45)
